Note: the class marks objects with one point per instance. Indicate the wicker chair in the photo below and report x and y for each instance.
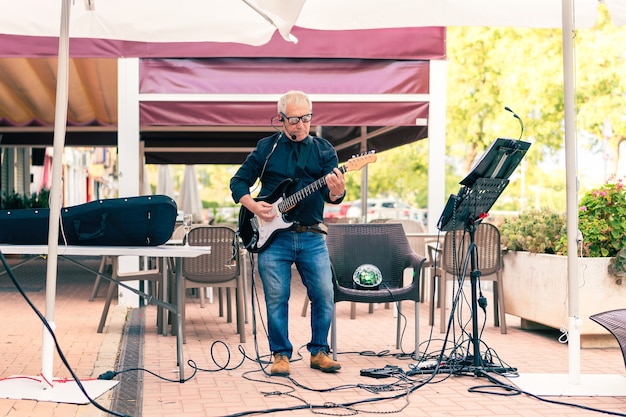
(385, 246)
(489, 258)
(154, 275)
(615, 322)
(220, 269)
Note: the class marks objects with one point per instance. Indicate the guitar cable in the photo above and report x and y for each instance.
(267, 158)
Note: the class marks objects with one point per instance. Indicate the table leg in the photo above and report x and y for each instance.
(244, 266)
(165, 295)
(179, 320)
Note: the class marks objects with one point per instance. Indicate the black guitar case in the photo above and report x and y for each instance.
(129, 221)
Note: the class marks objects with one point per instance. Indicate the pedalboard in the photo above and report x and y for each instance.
(386, 372)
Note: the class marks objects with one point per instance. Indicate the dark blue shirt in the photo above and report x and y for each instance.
(274, 160)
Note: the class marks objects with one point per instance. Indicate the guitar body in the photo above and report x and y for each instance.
(256, 234)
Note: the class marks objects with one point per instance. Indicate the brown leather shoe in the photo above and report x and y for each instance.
(324, 363)
(280, 367)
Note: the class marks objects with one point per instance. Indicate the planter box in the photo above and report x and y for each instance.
(535, 289)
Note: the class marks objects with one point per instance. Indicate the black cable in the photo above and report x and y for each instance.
(225, 366)
(415, 354)
(110, 374)
(457, 360)
(56, 343)
(407, 386)
(291, 388)
(516, 391)
(329, 406)
(254, 297)
(456, 363)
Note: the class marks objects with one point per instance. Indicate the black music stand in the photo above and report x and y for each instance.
(480, 190)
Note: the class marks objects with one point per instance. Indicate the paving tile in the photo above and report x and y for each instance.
(229, 381)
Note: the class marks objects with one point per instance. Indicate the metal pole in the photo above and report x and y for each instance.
(56, 194)
(571, 185)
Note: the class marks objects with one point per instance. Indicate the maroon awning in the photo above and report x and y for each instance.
(221, 97)
(353, 92)
(409, 43)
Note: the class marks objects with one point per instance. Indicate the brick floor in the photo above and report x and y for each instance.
(230, 382)
(76, 319)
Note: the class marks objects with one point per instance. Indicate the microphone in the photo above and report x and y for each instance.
(291, 136)
(520, 121)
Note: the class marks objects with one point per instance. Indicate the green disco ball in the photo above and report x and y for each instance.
(367, 276)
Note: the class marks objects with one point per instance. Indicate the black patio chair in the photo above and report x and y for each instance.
(385, 246)
(615, 322)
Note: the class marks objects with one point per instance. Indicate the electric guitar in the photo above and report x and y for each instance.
(256, 233)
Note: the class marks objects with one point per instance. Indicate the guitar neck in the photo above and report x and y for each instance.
(291, 201)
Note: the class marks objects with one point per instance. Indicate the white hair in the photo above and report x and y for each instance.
(296, 97)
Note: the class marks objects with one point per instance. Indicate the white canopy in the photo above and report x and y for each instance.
(251, 22)
(334, 15)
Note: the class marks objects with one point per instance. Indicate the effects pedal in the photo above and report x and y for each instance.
(386, 372)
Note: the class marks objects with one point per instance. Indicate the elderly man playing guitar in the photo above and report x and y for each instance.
(289, 230)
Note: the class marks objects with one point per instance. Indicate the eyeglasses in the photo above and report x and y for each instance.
(294, 120)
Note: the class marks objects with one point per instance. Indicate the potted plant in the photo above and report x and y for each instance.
(535, 263)
(535, 231)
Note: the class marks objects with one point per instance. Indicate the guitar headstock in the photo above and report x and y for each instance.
(359, 161)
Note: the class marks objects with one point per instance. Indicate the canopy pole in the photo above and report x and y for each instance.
(60, 120)
(571, 185)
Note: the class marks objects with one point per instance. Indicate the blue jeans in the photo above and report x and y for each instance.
(309, 253)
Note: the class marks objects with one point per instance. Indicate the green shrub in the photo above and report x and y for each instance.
(602, 220)
(537, 231)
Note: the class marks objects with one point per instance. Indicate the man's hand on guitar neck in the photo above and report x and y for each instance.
(336, 184)
(262, 209)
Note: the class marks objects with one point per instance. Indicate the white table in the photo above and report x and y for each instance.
(164, 251)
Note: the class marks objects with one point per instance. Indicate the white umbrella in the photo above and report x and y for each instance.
(366, 14)
(189, 200)
(165, 185)
(251, 22)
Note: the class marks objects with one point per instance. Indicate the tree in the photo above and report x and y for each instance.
(601, 87)
(490, 68)
(401, 173)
